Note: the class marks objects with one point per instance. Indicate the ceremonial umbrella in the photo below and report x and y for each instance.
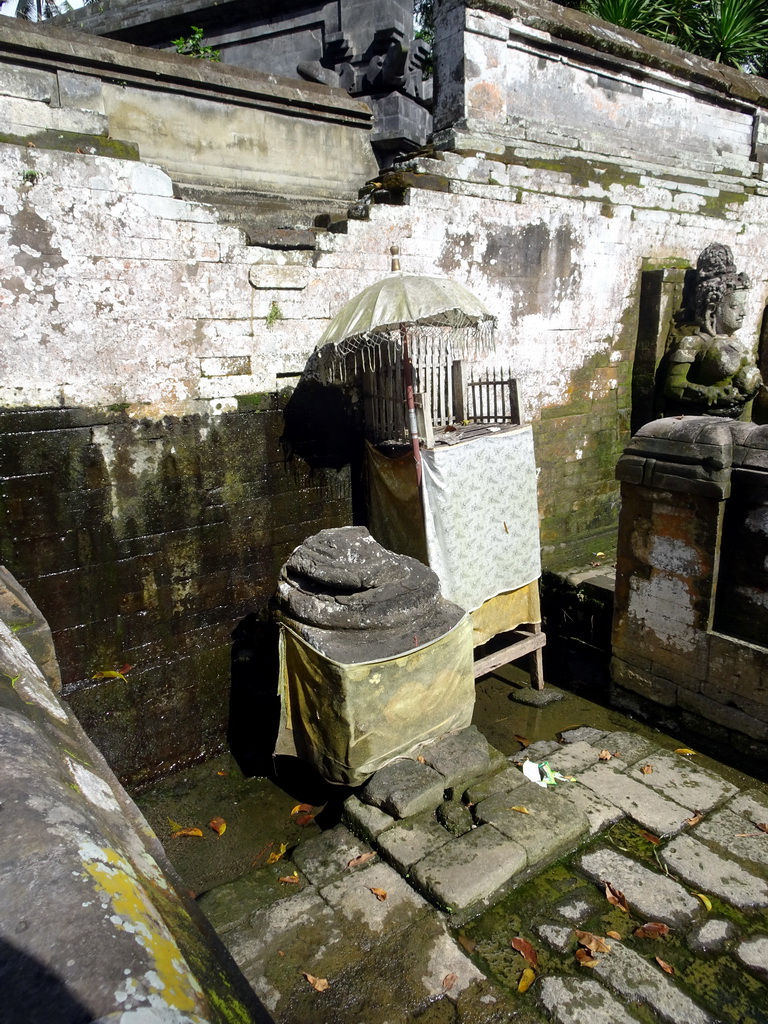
(412, 312)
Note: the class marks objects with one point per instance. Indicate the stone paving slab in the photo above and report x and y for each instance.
(403, 788)
(637, 980)
(455, 816)
(364, 819)
(711, 936)
(325, 857)
(584, 733)
(412, 839)
(643, 804)
(753, 953)
(553, 825)
(685, 782)
(751, 804)
(629, 747)
(560, 937)
(712, 873)
(352, 897)
(538, 751)
(736, 836)
(504, 780)
(654, 896)
(600, 813)
(573, 758)
(471, 869)
(458, 757)
(581, 1001)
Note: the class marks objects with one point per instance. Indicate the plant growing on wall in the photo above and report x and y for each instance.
(194, 45)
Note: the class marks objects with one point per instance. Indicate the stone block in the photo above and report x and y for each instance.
(753, 953)
(502, 781)
(404, 788)
(584, 734)
(456, 817)
(649, 894)
(648, 808)
(683, 781)
(728, 717)
(412, 839)
(352, 897)
(569, 1000)
(459, 757)
(636, 980)
(751, 804)
(573, 758)
(736, 837)
(600, 813)
(325, 857)
(629, 747)
(538, 751)
(28, 84)
(225, 366)
(711, 935)
(277, 278)
(364, 819)
(558, 936)
(711, 872)
(470, 870)
(552, 826)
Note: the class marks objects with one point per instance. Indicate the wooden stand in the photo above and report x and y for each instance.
(529, 641)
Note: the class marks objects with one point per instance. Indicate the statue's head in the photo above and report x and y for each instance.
(720, 291)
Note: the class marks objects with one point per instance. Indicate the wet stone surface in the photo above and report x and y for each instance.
(421, 930)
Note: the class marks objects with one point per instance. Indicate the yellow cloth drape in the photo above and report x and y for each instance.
(505, 612)
(350, 720)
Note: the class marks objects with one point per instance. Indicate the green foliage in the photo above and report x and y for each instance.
(273, 315)
(41, 10)
(194, 46)
(733, 32)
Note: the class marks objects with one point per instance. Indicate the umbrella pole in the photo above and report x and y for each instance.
(412, 425)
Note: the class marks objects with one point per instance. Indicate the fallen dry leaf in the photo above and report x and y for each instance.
(613, 935)
(362, 859)
(647, 769)
(422, 760)
(174, 825)
(592, 942)
(188, 832)
(218, 825)
(605, 755)
(762, 826)
(524, 947)
(695, 819)
(585, 959)
(222, 773)
(380, 894)
(449, 981)
(704, 899)
(303, 808)
(304, 819)
(290, 879)
(277, 855)
(526, 980)
(468, 944)
(281, 952)
(522, 739)
(616, 897)
(664, 966)
(318, 984)
(651, 930)
(522, 810)
(650, 837)
(685, 751)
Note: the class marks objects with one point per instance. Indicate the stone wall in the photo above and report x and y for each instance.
(693, 495)
(146, 343)
(96, 924)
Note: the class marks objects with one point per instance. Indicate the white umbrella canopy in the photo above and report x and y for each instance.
(410, 301)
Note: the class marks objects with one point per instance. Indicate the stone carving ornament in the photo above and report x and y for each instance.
(709, 371)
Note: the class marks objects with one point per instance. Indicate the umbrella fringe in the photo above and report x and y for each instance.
(425, 341)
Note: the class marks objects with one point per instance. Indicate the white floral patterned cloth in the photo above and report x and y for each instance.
(481, 515)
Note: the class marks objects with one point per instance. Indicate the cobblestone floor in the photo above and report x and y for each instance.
(635, 890)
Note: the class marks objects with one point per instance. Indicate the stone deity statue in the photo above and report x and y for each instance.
(710, 372)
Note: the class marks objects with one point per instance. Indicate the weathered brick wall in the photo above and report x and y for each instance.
(136, 323)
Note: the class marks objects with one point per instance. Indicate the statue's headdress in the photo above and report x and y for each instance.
(716, 274)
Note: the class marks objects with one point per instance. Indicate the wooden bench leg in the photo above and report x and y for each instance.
(536, 663)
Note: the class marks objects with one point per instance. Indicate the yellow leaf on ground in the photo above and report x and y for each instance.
(647, 769)
(303, 808)
(522, 810)
(218, 825)
(318, 984)
(174, 825)
(704, 899)
(613, 935)
(188, 832)
(362, 859)
(277, 855)
(605, 755)
(526, 979)
(665, 966)
(109, 675)
(685, 751)
(585, 959)
(380, 894)
(290, 879)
